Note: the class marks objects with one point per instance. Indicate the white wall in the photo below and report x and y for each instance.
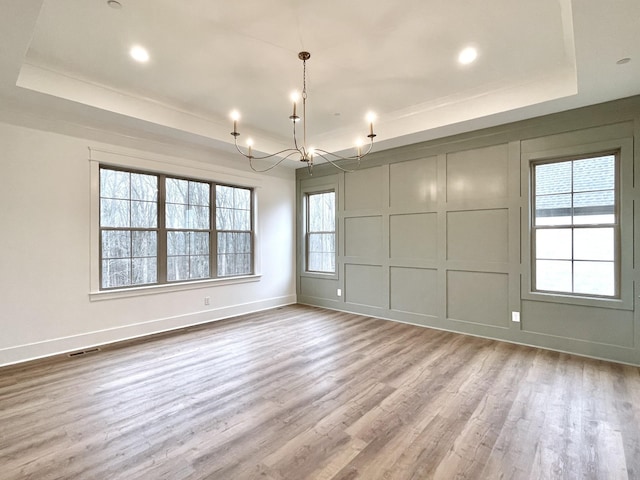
(45, 249)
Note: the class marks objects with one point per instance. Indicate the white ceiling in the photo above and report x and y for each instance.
(68, 60)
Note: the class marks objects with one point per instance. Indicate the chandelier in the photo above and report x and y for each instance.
(300, 148)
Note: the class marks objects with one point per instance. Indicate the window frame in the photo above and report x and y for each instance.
(573, 226)
(163, 239)
(216, 231)
(156, 229)
(308, 233)
(584, 144)
(175, 168)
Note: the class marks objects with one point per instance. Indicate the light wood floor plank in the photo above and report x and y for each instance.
(304, 393)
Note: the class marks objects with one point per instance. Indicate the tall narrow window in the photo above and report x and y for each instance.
(235, 239)
(188, 227)
(576, 226)
(321, 232)
(128, 228)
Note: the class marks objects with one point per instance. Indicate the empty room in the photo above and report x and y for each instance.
(290, 240)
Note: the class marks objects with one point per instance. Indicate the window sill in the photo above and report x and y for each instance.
(601, 302)
(170, 287)
(325, 275)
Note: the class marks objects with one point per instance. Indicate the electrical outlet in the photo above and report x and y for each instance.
(207, 300)
(515, 317)
(339, 292)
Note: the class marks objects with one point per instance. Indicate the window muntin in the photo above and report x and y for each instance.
(575, 231)
(159, 229)
(321, 232)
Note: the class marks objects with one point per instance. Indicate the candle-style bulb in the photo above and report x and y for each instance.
(295, 96)
(235, 116)
(370, 118)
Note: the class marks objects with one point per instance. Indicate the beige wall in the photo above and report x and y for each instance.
(436, 234)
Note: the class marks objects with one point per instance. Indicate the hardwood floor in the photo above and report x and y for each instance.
(304, 393)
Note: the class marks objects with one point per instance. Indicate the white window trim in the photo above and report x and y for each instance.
(625, 147)
(169, 166)
(170, 287)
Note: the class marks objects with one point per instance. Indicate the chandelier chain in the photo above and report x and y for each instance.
(304, 79)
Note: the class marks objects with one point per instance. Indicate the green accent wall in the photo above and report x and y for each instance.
(437, 234)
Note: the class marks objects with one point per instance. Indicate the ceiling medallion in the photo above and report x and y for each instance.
(300, 148)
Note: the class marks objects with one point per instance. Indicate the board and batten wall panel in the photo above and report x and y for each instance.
(363, 189)
(474, 235)
(579, 322)
(414, 184)
(363, 236)
(476, 217)
(478, 174)
(318, 287)
(414, 290)
(413, 236)
(436, 234)
(363, 285)
(478, 297)
(362, 246)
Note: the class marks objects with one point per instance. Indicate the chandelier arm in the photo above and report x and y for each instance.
(340, 157)
(368, 149)
(292, 150)
(321, 154)
(271, 167)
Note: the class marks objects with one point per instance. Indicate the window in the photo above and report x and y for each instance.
(233, 222)
(321, 232)
(187, 221)
(575, 231)
(158, 229)
(129, 228)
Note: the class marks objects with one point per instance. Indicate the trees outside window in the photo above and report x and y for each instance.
(321, 232)
(234, 230)
(188, 224)
(129, 228)
(157, 229)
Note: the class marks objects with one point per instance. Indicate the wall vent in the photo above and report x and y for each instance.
(83, 352)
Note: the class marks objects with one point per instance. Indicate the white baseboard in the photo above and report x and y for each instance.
(47, 348)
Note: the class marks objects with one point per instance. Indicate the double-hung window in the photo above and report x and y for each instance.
(321, 232)
(160, 229)
(128, 228)
(234, 230)
(576, 227)
(188, 229)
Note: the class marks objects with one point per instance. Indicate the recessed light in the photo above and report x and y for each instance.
(139, 54)
(624, 60)
(467, 55)
(114, 4)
